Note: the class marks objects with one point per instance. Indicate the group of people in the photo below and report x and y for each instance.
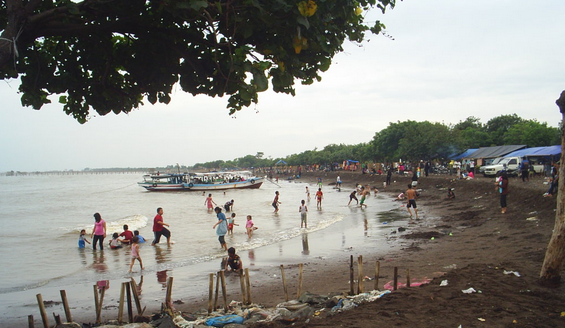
(225, 226)
(98, 235)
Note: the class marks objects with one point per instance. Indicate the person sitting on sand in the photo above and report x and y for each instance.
(450, 193)
(234, 261)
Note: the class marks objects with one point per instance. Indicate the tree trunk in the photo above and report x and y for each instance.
(555, 254)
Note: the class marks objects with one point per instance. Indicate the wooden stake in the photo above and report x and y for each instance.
(136, 297)
(66, 306)
(224, 291)
(407, 277)
(300, 271)
(210, 293)
(30, 323)
(128, 294)
(168, 298)
(377, 274)
(248, 286)
(351, 276)
(99, 314)
(57, 319)
(42, 311)
(96, 299)
(217, 291)
(242, 285)
(360, 286)
(395, 287)
(284, 283)
(121, 304)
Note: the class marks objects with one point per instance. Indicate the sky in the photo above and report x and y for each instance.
(445, 60)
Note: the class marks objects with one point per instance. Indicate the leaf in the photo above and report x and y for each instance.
(303, 21)
(260, 81)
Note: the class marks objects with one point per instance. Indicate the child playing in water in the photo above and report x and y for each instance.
(115, 243)
(135, 253)
(231, 223)
(140, 237)
(82, 239)
(208, 202)
(250, 226)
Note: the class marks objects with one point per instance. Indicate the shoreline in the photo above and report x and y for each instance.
(455, 226)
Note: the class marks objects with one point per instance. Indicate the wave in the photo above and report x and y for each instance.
(134, 222)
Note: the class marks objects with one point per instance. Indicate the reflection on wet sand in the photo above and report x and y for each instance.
(98, 262)
(305, 246)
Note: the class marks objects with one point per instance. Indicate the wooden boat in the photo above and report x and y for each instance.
(201, 181)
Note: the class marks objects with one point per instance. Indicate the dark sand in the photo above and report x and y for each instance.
(483, 243)
(472, 245)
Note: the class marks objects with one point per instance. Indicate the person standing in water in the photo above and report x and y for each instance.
(221, 227)
(99, 231)
(135, 253)
(159, 228)
(209, 202)
(303, 210)
(276, 202)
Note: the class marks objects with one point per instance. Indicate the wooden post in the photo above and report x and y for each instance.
(98, 315)
(66, 306)
(377, 274)
(300, 271)
(96, 299)
(360, 286)
(217, 291)
(210, 293)
(224, 292)
(168, 297)
(248, 286)
(42, 311)
(128, 294)
(242, 285)
(30, 323)
(351, 277)
(407, 277)
(284, 283)
(136, 297)
(395, 287)
(121, 304)
(57, 319)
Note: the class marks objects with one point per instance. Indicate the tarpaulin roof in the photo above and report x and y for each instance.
(280, 162)
(496, 151)
(466, 154)
(352, 161)
(537, 151)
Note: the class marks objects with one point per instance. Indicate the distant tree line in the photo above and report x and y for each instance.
(414, 141)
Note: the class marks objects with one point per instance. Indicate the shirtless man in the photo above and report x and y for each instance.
(411, 197)
(364, 193)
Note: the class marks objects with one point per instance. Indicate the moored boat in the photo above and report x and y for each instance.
(201, 181)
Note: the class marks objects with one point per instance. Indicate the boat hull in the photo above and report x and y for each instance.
(248, 184)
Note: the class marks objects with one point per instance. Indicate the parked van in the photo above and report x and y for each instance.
(511, 165)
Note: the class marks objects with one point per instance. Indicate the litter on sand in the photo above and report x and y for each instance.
(516, 273)
(469, 290)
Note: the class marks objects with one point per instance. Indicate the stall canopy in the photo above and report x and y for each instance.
(466, 154)
(496, 151)
(280, 162)
(537, 151)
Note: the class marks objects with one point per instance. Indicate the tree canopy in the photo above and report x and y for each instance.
(108, 55)
(415, 141)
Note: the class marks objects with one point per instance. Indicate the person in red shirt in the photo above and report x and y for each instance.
(319, 197)
(159, 228)
(127, 234)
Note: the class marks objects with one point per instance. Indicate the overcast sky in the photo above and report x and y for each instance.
(449, 60)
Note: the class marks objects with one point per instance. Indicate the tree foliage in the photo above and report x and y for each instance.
(415, 141)
(108, 55)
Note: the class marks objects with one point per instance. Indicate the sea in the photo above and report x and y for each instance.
(42, 215)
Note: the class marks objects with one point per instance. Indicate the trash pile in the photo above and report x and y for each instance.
(308, 305)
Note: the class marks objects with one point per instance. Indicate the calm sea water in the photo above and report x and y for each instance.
(42, 216)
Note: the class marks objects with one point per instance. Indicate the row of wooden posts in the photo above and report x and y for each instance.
(130, 289)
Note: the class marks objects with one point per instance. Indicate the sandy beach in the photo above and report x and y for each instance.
(466, 241)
